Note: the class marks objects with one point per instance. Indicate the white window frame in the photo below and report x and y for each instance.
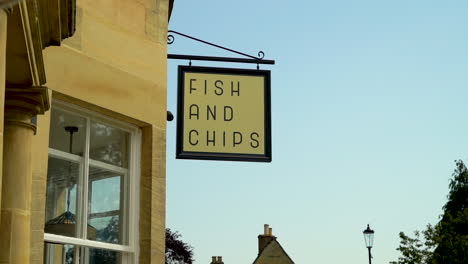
(131, 201)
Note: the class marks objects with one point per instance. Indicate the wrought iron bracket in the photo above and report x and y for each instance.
(250, 59)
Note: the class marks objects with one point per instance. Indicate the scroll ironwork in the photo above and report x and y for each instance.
(259, 59)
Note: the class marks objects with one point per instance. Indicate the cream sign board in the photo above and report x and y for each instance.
(223, 114)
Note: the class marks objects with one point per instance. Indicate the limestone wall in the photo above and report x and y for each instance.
(114, 64)
(3, 34)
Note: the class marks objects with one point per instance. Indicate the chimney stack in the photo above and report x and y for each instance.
(266, 238)
(217, 260)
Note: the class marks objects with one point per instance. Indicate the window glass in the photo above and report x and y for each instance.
(59, 254)
(66, 128)
(60, 215)
(106, 214)
(109, 144)
(67, 254)
(102, 256)
(88, 195)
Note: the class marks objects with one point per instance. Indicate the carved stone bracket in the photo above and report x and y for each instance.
(8, 10)
(7, 5)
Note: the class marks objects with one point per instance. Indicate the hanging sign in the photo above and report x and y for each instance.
(223, 114)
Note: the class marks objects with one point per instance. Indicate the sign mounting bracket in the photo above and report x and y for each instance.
(250, 59)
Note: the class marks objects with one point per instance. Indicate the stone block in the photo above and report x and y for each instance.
(107, 10)
(104, 85)
(132, 16)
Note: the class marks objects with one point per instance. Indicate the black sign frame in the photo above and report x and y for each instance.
(181, 154)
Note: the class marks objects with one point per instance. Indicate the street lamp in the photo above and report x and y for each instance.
(369, 239)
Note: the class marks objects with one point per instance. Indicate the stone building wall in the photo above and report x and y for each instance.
(114, 64)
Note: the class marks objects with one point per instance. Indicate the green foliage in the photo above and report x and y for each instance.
(452, 230)
(447, 241)
(458, 195)
(109, 234)
(177, 252)
(417, 249)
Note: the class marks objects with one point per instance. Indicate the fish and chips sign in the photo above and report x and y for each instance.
(223, 114)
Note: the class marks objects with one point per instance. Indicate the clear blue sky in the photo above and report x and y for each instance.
(369, 107)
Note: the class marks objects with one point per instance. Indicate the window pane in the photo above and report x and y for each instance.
(59, 254)
(109, 144)
(68, 254)
(60, 215)
(102, 256)
(106, 214)
(61, 126)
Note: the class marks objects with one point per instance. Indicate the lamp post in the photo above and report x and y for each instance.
(369, 239)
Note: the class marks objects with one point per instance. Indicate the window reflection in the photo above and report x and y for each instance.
(109, 144)
(105, 195)
(61, 197)
(76, 192)
(68, 254)
(59, 137)
(59, 254)
(102, 256)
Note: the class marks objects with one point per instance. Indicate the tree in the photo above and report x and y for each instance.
(177, 251)
(109, 234)
(415, 250)
(451, 237)
(447, 241)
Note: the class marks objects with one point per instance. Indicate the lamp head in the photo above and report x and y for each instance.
(368, 236)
